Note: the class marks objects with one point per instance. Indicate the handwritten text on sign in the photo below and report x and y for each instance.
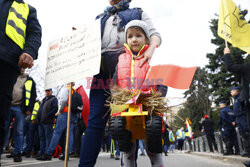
(74, 56)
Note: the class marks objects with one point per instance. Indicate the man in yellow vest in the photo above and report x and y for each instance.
(22, 104)
(180, 138)
(187, 133)
(20, 39)
(172, 140)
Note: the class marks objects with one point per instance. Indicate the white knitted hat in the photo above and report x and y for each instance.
(137, 23)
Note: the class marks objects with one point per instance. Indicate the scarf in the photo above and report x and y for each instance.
(122, 5)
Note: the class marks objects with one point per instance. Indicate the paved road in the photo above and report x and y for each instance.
(173, 160)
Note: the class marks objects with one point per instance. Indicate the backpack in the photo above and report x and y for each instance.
(76, 104)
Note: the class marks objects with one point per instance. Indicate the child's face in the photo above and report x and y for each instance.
(135, 39)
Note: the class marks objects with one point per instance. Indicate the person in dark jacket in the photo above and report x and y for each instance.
(244, 71)
(208, 128)
(227, 123)
(165, 137)
(46, 116)
(22, 104)
(15, 54)
(240, 112)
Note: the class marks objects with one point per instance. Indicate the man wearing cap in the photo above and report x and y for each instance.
(61, 123)
(208, 128)
(45, 118)
(227, 123)
(22, 104)
(240, 111)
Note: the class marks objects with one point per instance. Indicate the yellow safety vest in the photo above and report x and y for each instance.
(35, 110)
(180, 134)
(186, 134)
(171, 136)
(28, 86)
(17, 22)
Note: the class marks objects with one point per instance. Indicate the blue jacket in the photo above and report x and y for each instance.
(9, 50)
(240, 113)
(239, 109)
(226, 118)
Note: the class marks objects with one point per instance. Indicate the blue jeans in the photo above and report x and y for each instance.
(29, 131)
(117, 151)
(141, 145)
(165, 148)
(45, 133)
(61, 125)
(171, 147)
(98, 117)
(15, 111)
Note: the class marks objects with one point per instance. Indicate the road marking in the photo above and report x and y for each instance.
(24, 163)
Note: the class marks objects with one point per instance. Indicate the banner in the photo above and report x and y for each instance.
(74, 56)
(232, 28)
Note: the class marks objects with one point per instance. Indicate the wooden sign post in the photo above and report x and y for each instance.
(68, 128)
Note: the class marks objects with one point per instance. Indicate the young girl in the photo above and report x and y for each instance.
(113, 20)
(130, 74)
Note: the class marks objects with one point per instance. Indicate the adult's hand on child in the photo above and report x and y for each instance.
(146, 56)
(154, 42)
(226, 50)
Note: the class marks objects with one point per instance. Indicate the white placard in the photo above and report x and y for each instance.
(74, 57)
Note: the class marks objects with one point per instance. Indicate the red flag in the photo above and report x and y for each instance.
(171, 75)
(85, 100)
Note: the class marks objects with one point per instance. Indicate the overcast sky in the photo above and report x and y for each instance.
(183, 24)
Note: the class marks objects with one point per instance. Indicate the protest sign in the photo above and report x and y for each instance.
(74, 56)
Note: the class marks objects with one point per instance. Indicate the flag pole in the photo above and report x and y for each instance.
(68, 127)
(180, 117)
(225, 35)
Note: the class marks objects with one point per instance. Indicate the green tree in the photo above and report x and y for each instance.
(198, 103)
(220, 80)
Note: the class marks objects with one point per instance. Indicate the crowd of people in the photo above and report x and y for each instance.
(40, 130)
(37, 128)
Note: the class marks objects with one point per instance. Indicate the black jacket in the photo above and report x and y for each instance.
(244, 71)
(47, 110)
(9, 50)
(32, 97)
(208, 126)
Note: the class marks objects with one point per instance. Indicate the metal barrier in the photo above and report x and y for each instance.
(200, 144)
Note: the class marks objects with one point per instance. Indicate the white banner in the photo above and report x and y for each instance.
(74, 57)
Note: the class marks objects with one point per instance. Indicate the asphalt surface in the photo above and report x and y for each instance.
(104, 160)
